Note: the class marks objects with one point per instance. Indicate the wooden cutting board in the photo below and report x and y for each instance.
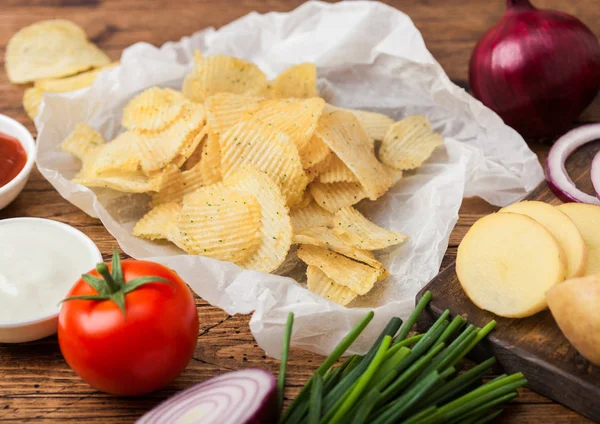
(534, 345)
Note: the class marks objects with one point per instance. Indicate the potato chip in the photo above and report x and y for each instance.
(220, 223)
(321, 284)
(210, 162)
(119, 154)
(126, 183)
(32, 98)
(375, 124)
(298, 81)
(327, 238)
(73, 83)
(336, 172)
(314, 171)
(224, 110)
(313, 152)
(194, 158)
(198, 57)
(334, 196)
(189, 147)
(220, 73)
(298, 118)
(153, 109)
(345, 137)
(157, 149)
(310, 216)
(409, 143)
(176, 184)
(276, 226)
(82, 141)
(352, 227)
(50, 49)
(160, 223)
(307, 199)
(356, 276)
(268, 150)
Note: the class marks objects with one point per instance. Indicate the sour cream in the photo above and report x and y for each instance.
(40, 260)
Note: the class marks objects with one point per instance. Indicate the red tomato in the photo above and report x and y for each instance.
(137, 352)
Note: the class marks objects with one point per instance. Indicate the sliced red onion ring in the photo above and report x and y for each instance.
(595, 174)
(556, 173)
(239, 397)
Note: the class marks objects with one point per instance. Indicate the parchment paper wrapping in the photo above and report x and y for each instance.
(369, 56)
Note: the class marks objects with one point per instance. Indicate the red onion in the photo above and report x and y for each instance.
(556, 173)
(595, 174)
(239, 397)
(538, 69)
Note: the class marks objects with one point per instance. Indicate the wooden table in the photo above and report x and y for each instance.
(36, 385)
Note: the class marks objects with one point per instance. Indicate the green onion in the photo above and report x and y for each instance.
(284, 357)
(316, 394)
(477, 413)
(481, 333)
(414, 316)
(361, 414)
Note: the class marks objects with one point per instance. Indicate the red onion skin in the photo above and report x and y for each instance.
(538, 69)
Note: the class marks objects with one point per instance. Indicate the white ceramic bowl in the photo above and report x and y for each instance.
(44, 326)
(10, 191)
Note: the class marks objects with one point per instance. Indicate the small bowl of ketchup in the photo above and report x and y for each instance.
(17, 156)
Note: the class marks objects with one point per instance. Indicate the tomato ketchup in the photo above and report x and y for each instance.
(12, 158)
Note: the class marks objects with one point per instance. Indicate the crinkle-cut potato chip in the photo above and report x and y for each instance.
(356, 276)
(157, 149)
(336, 172)
(220, 73)
(299, 81)
(409, 142)
(73, 83)
(224, 110)
(127, 183)
(313, 152)
(327, 238)
(268, 150)
(210, 162)
(310, 216)
(321, 284)
(344, 135)
(175, 184)
(276, 226)
(160, 223)
(153, 109)
(194, 158)
(395, 174)
(82, 142)
(298, 118)
(119, 154)
(198, 57)
(334, 196)
(352, 227)
(307, 199)
(190, 147)
(314, 171)
(32, 98)
(220, 223)
(375, 124)
(50, 49)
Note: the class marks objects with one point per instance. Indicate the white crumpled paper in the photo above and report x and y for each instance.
(369, 56)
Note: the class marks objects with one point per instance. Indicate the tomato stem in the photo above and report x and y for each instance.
(113, 286)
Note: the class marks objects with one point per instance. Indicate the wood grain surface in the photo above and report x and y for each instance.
(36, 385)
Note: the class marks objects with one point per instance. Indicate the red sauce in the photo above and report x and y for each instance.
(12, 158)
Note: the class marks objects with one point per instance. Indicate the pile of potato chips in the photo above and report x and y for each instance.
(240, 168)
(52, 55)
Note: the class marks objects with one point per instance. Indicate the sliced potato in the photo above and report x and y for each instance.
(561, 227)
(506, 263)
(587, 219)
(321, 284)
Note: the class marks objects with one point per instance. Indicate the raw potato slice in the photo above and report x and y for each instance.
(126, 183)
(358, 277)
(335, 196)
(160, 223)
(298, 118)
(82, 142)
(351, 226)
(50, 49)
(157, 149)
(76, 82)
(224, 110)
(409, 143)
(210, 162)
(346, 138)
(32, 98)
(220, 223)
(118, 155)
(321, 284)
(311, 216)
(220, 73)
(574, 305)
(298, 81)
(506, 263)
(276, 226)
(587, 220)
(256, 143)
(375, 124)
(562, 228)
(325, 237)
(153, 109)
(337, 172)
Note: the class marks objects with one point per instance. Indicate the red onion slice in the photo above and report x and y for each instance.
(595, 174)
(239, 397)
(556, 173)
